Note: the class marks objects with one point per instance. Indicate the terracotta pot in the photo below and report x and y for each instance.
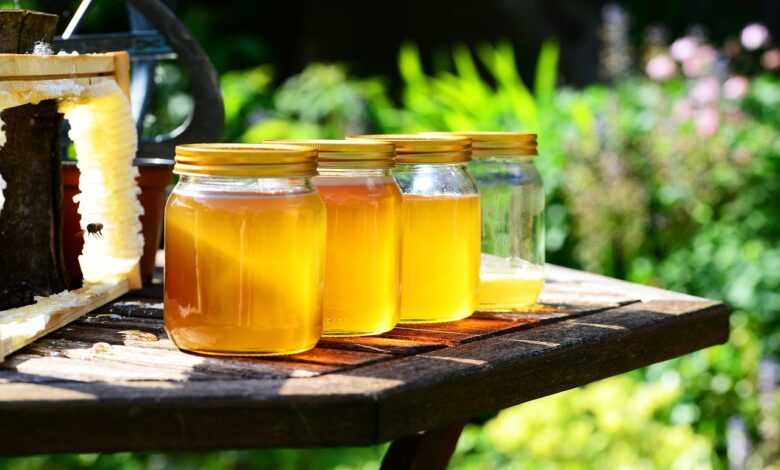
(155, 176)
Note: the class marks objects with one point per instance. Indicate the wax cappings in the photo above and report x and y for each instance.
(105, 138)
(20, 317)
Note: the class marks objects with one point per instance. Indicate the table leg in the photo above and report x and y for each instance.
(427, 450)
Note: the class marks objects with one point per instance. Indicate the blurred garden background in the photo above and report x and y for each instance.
(659, 133)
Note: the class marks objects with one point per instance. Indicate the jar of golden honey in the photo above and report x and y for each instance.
(244, 250)
(512, 268)
(363, 255)
(440, 228)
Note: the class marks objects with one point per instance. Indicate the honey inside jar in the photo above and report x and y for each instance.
(244, 263)
(362, 272)
(440, 227)
(497, 294)
(363, 254)
(440, 276)
(508, 284)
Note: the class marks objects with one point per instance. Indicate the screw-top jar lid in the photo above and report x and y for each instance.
(418, 148)
(275, 160)
(497, 143)
(348, 153)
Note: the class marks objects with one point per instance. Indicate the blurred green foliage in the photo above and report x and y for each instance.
(610, 424)
(320, 102)
(360, 458)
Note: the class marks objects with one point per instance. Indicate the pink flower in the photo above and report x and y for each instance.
(707, 122)
(736, 87)
(706, 90)
(661, 67)
(754, 36)
(700, 62)
(683, 48)
(771, 59)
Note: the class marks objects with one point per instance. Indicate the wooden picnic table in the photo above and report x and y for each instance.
(113, 381)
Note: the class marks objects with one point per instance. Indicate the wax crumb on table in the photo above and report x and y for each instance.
(101, 347)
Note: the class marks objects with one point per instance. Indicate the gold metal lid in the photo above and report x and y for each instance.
(418, 148)
(279, 160)
(497, 143)
(346, 154)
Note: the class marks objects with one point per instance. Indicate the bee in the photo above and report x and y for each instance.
(95, 230)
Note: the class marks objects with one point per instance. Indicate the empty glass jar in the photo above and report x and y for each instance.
(363, 262)
(440, 228)
(512, 267)
(244, 250)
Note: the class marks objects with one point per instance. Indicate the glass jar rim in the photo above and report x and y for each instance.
(441, 158)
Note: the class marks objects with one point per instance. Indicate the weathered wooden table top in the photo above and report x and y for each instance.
(114, 381)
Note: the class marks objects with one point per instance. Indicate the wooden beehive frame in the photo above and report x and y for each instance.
(21, 326)
(24, 67)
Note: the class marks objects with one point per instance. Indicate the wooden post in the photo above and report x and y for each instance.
(428, 450)
(31, 260)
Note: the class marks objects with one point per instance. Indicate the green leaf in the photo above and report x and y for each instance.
(546, 72)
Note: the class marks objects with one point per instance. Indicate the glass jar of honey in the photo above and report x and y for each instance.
(244, 250)
(440, 228)
(363, 255)
(512, 271)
